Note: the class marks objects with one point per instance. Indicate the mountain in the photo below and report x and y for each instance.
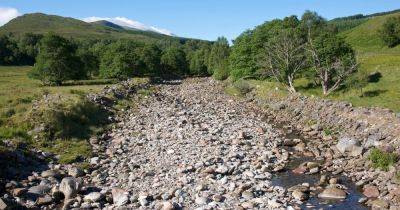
(108, 24)
(40, 23)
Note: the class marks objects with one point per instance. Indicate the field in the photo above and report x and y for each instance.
(17, 93)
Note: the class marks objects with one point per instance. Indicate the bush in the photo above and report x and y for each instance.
(57, 61)
(390, 31)
(67, 118)
(242, 86)
(382, 160)
(222, 71)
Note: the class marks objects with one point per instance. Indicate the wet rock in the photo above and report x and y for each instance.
(299, 195)
(333, 193)
(120, 196)
(70, 187)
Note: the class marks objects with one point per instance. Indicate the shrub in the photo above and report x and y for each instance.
(381, 159)
(390, 32)
(67, 118)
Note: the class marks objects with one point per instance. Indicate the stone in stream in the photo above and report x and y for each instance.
(332, 193)
(299, 195)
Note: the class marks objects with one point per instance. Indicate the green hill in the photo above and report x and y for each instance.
(374, 56)
(39, 23)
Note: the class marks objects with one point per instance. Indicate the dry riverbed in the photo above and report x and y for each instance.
(187, 144)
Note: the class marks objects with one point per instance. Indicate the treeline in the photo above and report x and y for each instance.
(287, 49)
(57, 59)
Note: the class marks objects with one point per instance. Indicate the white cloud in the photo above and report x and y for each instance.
(123, 21)
(7, 14)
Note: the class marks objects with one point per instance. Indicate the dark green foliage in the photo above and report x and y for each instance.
(28, 45)
(242, 57)
(381, 159)
(173, 61)
(390, 31)
(198, 64)
(9, 53)
(219, 54)
(57, 61)
(332, 59)
(121, 60)
(151, 57)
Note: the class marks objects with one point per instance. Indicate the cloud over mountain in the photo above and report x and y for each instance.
(7, 14)
(123, 21)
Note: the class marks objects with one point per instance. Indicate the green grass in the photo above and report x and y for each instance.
(17, 93)
(382, 160)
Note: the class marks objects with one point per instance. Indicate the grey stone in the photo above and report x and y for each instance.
(70, 187)
(39, 189)
(333, 193)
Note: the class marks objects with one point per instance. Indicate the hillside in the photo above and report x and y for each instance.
(349, 22)
(69, 27)
(373, 56)
(108, 24)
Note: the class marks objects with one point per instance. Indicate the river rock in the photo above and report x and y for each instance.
(371, 191)
(93, 197)
(333, 193)
(299, 195)
(39, 189)
(346, 144)
(379, 204)
(51, 173)
(70, 187)
(120, 196)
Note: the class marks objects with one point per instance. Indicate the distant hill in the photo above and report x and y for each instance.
(365, 37)
(40, 23)
(349, 22)
(107, 24)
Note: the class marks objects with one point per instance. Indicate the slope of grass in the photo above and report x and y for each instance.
(17, 93)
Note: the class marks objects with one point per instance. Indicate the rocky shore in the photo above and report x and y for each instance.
(188, 145)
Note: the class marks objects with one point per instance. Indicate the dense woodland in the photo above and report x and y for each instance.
(281, 50)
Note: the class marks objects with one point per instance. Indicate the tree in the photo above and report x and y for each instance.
(121, 60)
(284, 57)
(332, 59)
(198, 64)
(173, 60)
(151, 57)
(57, 61)
(28, 45)
(218, 55)
(242, 57)
(390, 31)
(9, 52)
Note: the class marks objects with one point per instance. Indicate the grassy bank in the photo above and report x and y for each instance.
(17, 94)
(372, 56)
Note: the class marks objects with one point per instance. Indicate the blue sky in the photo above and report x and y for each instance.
(205, 19)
